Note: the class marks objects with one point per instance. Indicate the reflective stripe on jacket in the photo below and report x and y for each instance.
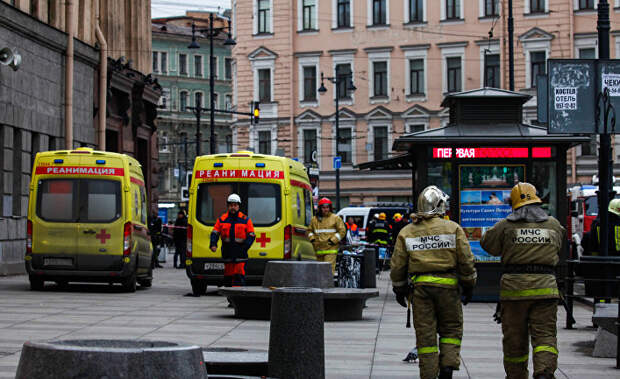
(523, 243)
(325, 233)
(237, 234)
(436, 251)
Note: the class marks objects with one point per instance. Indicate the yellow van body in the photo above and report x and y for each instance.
(87, 220)
(276, 195)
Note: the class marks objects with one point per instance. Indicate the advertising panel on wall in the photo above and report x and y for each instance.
(484, 192)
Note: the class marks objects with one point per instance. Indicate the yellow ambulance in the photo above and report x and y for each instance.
(275, 193)
(87, 220)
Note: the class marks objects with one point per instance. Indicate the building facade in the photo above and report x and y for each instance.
(183, 74)
(404, 56)
(32, 98)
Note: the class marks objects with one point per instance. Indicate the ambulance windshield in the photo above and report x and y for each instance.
(260, 201)
(79, 200)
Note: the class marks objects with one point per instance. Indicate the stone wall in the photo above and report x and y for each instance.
(32, 116)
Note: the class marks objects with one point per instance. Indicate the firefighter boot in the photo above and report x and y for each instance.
(445, 373)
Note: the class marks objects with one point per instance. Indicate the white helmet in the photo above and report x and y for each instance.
(432, 201)
(234, 198)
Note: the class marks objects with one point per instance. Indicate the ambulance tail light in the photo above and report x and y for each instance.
(288, 241)
(190, 233)
(29, 237)
(127, 239)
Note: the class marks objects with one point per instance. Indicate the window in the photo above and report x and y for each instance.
(164, 99)
(79, 200)
(308, 207)
(379, 78)
(537, 6)
(264, 85)
(228, 68)
(214, 63)
(491, 8)
(586, 4)
(416, 76)
(491, 70)
(264, 141)
(183, 101)
(182, 64)
(454, 74)
(51, 11)
(309, 14)
(155, 61)
(198, 65)
(264, 16)
(416, 11)
(538, 63)
(309, 83)
(263, 201)
(381, 142)
(344, 13)
(345, 145)
(310, 145)
(343, 73)
(379, 15)
(215, 100)
(587, 53)
(198, 99)
(164, 62)
(414, 128)
(163, 142)
(228, 99)
(453, 9)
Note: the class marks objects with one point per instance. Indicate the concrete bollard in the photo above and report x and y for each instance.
(296, 339)
(369, 268)
(110, 359)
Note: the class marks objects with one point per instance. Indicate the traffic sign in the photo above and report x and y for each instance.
(337, 163)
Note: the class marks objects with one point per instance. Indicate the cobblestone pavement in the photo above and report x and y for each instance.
(371, 348)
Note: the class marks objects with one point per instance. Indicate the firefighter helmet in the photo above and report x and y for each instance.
(523, 194)
(397, 217)
(614, 207)
(382, 216)
(432, 201)
(234, 198)
(324, 201)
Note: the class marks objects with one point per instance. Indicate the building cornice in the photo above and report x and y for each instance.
(447, 45)
(304, 54)
(422, 46)
(482, 42)
(342, 52)
(380, 49)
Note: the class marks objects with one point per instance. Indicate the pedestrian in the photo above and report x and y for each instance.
(528, 242)
(326, 231)
(380, 234)
(155, 231)
(179, 236)
(591, 240)
(434, 254)
(237, 234)
(398, 223)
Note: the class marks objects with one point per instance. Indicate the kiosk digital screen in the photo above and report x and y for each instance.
(490, 152)
(484, 192)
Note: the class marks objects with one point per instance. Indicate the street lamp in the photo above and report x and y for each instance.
(337, 80)
(211, 32)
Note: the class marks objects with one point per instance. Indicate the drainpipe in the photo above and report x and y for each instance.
(292, 86)
(571, 38)
(103, 80)
(69, 26)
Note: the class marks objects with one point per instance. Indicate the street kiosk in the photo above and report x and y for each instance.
(477, 158)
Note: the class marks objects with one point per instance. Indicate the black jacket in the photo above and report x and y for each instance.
(180, 234)
(591, 240)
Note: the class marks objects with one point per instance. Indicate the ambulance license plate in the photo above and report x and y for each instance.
(58, 262)
(214, 266)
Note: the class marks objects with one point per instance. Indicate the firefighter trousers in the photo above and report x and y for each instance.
(522, 319)
(330, 258)
(437, 311)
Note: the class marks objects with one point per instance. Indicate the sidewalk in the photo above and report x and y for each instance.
(371, 348)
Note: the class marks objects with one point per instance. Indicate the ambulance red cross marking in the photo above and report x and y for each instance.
(263, 240)
(102, 236)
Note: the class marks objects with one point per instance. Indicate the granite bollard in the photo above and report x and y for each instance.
(97, 359)
(369, 268)
(296, 339)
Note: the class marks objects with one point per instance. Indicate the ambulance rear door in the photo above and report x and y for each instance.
(55, 228)
(100, 233)
(301, 215)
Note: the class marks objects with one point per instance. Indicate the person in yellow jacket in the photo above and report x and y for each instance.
(434, 254)
(326, 231)
(528, 242)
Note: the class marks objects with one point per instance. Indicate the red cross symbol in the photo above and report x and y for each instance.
(263, 240)
(102, 236)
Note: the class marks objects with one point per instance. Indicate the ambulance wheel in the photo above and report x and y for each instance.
(199, 287)
(148, 280)
(129, 283)
(36, 284)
